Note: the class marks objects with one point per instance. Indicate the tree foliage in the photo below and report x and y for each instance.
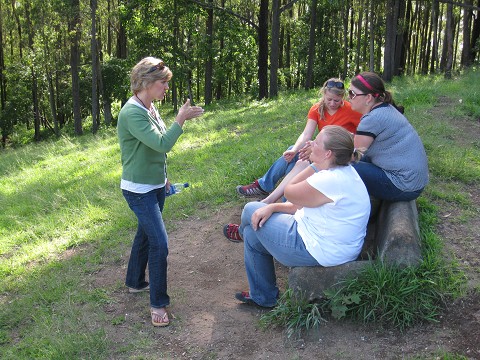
(53, 75)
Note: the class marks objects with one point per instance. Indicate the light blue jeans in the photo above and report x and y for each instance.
(278, 170)
(277, 238)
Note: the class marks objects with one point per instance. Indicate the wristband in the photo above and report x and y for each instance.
(314, 168)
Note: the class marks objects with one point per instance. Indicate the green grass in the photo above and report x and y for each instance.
(63, 218)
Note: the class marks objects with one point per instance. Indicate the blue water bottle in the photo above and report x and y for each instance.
(176, 188)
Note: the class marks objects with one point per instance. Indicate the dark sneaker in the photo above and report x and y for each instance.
(253, 189)
(231, 232)
(135, 291)
(245, 298)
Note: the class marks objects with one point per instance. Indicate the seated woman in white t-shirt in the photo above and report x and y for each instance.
(323, 222)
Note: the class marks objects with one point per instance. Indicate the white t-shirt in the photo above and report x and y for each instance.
(334, 232)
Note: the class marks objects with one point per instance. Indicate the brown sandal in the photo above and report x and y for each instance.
(164, 321)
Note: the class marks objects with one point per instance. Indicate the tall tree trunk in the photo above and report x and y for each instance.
(434, 59)
(209, 61)
(467, 22)
(109, 28)
(475, 35)
(373, 19)
(19, 28)
(428, 45)
(390, 36)
(311, 46)
(3, 93)
(121, 39)
(344, 13)
(288, 54)
(359, 37)
(263, 50)
(36, 110)
(95, 65)
(400, 50)
(449, 42)
(74, 30)
(274, 48)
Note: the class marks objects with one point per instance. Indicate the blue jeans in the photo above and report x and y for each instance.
(278, 170)
(150, 245)
(379, 185)
(277, 238)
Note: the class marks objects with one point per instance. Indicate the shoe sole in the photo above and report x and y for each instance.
(250, 302)
(136, 291)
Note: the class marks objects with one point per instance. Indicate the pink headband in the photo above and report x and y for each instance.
(369, 87)
(364, 82)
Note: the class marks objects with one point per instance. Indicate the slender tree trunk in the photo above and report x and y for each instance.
(435, 11)
(263, 50)
(209, 56)
(36, 110)
(74, 29)
(121, 40)
(274, 48)
(399, 56)
(109, 28)
(288, 55)
(311, 45)
(95, 63)
(467, 22)
(475, 35)
(19, 28)
(359, 37)
(449, 42)
(390, 37)
(345, 12)
(3, 93)
(373, 19)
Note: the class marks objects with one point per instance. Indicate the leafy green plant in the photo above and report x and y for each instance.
(294, 313)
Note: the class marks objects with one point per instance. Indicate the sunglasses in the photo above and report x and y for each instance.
(160, 66)
(334, 84)
(352, 94)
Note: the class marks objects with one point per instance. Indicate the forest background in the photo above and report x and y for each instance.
(64, 65)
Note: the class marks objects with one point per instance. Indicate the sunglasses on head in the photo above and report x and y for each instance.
(335, 84)
(160, 66)
(352, 94)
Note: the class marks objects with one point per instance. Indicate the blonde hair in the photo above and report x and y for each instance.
(323, 92)
(340, 142)
(146, 72)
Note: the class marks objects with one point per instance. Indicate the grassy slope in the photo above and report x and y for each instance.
(63, 217)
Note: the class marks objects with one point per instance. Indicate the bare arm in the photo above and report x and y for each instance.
(305, 136)
(261, 215)
(301, 193)
(279, 190)
(362, 142)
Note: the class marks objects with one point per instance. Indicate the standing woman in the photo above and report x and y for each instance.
(394, 166)
(144, 141)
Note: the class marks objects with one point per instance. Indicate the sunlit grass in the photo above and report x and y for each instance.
(63, 216)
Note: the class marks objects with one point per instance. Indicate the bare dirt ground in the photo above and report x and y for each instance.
(205, 271)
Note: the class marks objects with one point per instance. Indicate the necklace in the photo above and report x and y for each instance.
(141, 102)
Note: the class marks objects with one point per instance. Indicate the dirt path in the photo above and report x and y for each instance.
(204, 273)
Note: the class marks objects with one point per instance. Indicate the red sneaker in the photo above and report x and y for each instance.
(253, 189)
(231, 232)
